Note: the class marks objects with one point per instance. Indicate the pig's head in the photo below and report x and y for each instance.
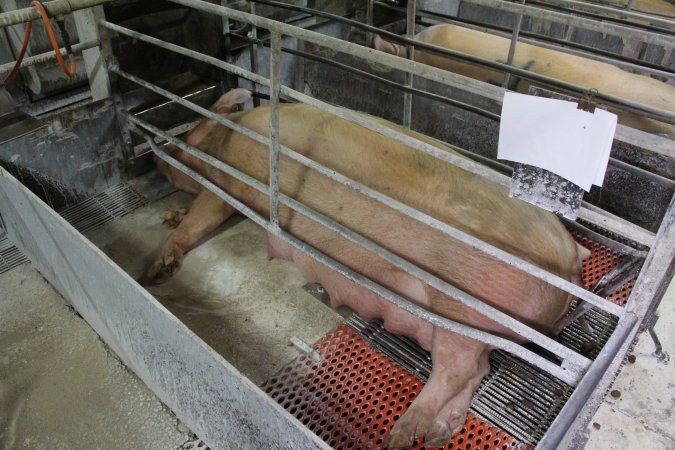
(225, 105)
(388, 47)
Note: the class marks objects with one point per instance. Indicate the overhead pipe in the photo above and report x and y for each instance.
(54, 8)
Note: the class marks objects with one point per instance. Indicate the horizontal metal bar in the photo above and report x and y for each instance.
(210, 396)
(568, 374)
(189, 53)
(609, 12)
(398, 206)
(358, 51)
(549, 42)
(525, 331)
(646, 110)
(591, 24)
(598, 216)
(604, 240)
(612, 161)
(48, 56)
(588, 383)
(649, 289)
(54, 8)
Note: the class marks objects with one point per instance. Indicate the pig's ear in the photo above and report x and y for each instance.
(388, 47)
(228, 100)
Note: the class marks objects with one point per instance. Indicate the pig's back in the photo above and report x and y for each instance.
(462, 199)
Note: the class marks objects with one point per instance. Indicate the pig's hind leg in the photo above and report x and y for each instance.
(206, 213)
(440, 410)
(173, 218)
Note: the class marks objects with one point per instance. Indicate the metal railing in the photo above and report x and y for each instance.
(573, 365)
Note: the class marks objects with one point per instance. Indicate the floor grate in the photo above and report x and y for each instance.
(369, 377)
(91, 213)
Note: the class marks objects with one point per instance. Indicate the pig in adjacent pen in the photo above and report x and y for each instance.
(462, 199)
(584, 72)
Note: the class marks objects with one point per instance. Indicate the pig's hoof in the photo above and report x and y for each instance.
(441, 431)
(399, 439)
(438, 436)
(161, 270)
(173, 218)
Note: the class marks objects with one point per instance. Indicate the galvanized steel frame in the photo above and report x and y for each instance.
(573, 364)
(629, 320)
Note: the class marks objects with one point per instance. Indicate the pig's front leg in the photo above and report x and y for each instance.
(173, 218)
(440, 410)
(206, 213)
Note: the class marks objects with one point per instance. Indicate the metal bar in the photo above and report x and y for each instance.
(275, 75)
(587, 212)
(606, 11)
(512, 46)
(379, 79)
(258, 79)
(573, 360)
(87, 29)
(398, 206)
(604, 240)
(591, 24)
(49, 56)
(369, 12)
(410, 54)
(254, 51)
(563, 45)
(565, 373)
(428, 72)
(185, 373)
(588, 384)
(647, 292)
(54, 8)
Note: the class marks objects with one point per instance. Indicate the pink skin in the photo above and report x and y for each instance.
(446, 192)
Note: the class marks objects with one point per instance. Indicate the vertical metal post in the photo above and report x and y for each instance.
(410, 54)
(85, 22)
(512, 47)
(369, 12)
(108, 60)
(275, 87)
(629, 5)
(254, 52)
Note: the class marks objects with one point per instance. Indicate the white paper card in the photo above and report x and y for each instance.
(556, 136)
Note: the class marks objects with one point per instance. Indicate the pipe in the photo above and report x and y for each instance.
(48, 56)
(54, 8)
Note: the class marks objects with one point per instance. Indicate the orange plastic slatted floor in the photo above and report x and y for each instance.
(354, 396)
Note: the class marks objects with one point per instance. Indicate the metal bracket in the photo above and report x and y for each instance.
(587, 102)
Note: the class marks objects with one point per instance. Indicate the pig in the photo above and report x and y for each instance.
(464, 200)
(663, 8)
(585, 72)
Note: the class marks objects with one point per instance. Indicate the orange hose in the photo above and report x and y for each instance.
(24, 46)
(55, 45)
(45, 19)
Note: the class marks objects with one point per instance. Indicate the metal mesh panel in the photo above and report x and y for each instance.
(91, 213)
(369, 377)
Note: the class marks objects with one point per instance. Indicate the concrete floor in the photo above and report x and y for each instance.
(60, 387)
(638, 412)
(247, 309)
